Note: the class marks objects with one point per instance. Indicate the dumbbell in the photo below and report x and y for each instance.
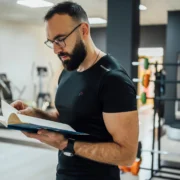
(146, 63)
(134, 169)
(143, 98)
(146, 79)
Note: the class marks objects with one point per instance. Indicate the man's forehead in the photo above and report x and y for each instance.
(58, 24)
(62, 21)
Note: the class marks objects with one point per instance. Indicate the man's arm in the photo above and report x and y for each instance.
(124, 128)
(50, 115)
(118, 99)
(30, 111)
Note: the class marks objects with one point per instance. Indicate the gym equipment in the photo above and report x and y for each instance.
(43, 99)
(5, 89)
(146, 63)
(177, 105)
(159, 99)
(135, 167)
(144, 98)
(173, 131)
(177, 110)
(146, 79)
(20, 91)
(42, 96)
(161, 152)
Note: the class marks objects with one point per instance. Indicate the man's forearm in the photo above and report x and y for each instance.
(46, 115)
(109, 153)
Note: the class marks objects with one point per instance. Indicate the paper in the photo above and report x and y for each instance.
(12, 120)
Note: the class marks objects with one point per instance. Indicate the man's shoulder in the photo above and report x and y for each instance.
(110, 67)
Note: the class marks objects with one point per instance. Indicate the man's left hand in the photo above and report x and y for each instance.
(51, 138)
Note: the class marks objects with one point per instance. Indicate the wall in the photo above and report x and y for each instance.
(153, 36)
(99, 37)
(22, 49)
(171, 56)
(150, 36)
(21, 46)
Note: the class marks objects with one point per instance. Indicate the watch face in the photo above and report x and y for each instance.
(68, 154)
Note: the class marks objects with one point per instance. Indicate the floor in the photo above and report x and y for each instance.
(167, 145)
(22, 158)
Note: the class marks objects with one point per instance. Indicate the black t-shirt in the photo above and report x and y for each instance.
(81, 98)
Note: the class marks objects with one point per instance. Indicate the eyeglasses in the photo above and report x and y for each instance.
(60, 41)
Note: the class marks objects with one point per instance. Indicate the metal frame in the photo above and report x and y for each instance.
(154, 172)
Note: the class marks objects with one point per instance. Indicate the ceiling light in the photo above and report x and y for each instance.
(142, 7)
(97, 21)
(35, 3)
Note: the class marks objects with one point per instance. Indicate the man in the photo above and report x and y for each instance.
(95, 96)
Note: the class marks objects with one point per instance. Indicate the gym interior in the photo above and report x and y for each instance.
(142, 34)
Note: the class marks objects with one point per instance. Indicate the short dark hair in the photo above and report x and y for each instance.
(72, 9)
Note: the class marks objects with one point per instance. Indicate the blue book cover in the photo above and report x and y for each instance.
(34, 128)
(12, 120)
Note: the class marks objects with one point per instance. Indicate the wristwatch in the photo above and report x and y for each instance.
(69, 150)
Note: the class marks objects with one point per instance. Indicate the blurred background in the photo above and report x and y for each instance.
(142, 31)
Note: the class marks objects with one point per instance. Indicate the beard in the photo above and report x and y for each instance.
(75, 58)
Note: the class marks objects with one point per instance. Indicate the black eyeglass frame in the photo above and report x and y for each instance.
(60, 42)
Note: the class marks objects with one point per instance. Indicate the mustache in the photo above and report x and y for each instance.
(63, 54)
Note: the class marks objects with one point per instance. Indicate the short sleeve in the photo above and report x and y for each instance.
(117, 93)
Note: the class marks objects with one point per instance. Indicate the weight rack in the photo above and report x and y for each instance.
(154, 172)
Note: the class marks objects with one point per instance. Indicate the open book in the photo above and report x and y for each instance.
(12, 120)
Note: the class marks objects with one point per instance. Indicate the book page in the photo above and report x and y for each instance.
(43, 122)
(7, 110)
(11, 117)
(3, 121)
(14, 119)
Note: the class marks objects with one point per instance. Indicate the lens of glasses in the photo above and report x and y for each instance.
(60, 43)
(49, 44)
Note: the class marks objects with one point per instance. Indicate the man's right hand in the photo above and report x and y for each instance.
(24, 108)
(29, 111)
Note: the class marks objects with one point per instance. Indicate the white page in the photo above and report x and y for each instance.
(43, 122)
(8, 110)
(3, 120)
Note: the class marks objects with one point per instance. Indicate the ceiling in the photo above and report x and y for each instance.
(155, 14)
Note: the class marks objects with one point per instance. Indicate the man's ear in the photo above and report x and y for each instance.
(85, 30)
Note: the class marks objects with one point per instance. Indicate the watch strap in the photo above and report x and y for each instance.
(70, 147)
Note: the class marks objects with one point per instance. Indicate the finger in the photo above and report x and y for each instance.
(51, 134)
(26, 111)
(17, 104)
(31, 135)
(47, 133)
(43, 131)
(25, 133)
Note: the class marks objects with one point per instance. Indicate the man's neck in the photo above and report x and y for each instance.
(93, 55)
